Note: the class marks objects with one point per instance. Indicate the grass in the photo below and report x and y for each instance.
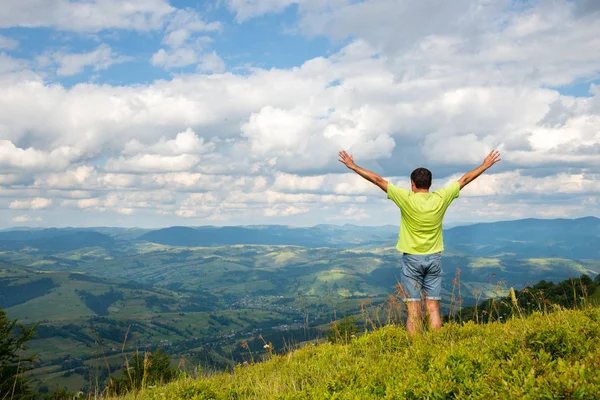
(549, 264)
(553, 356)
(485, 263)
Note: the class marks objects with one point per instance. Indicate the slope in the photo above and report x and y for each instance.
(542, 356)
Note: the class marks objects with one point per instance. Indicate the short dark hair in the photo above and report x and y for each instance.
(422, 178)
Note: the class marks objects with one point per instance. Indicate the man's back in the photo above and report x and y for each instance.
(422, 216)
(421, 238)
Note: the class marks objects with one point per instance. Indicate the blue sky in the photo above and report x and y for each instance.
(228, 112)
(265, 42)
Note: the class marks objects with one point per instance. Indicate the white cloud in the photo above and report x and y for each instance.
(152, 163)
(517, 183)
(274, 130)
(99, 59)
(85, 16)
(15, 158)
(175, 58)
(290, 182)
(183, 25)
(246, 9)
(37, 203)
(410, 89)
(211, 62)
(124, 202)
(178, 154)
(185, 47)
(10, 64)
(7, 43)
(285, 211)
(351, 213)
(21, 219)
(186, 142)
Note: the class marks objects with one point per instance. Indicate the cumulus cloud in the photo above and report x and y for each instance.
(211, 62)
(122, 202)
(175, 58)
(178, 154)
(246, 9)
(21, 219)
(285, 211)
(186, 142)
(409, 89)
(7, 43)
(183, 25)
(184, 47)
(37, 203)
(352, 213)
(11, 64)
(85, 16)
(16, 158)
(99, 59)
(25, 219)
(152, 163)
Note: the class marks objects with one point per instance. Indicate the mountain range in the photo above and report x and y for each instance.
(564, 238)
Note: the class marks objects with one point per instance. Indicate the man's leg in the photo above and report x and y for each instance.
(433, 314)
(413, 320)
(412, 278)
(433, 290)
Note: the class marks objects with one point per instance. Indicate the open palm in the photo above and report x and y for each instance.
(492, 158)
(346, 159)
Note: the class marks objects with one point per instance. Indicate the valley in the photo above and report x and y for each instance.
(100, 295)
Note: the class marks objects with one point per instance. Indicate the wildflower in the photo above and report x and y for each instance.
(266, 346)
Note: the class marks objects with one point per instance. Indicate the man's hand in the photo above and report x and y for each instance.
(372, 177)
(347, 160)
(491, 159)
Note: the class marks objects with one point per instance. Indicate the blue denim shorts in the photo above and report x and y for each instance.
(422, 276)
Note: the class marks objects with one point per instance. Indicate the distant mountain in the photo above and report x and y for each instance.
(564, 238)
(31, 234)
(318, 236)
(37, 233)
(54, 241)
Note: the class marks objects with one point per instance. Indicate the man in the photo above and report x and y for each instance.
(420, 238)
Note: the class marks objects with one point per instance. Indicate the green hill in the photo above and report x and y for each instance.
(85, 321)
(552, 356)
(235, 272)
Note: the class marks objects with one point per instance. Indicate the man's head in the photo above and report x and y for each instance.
(421, 178)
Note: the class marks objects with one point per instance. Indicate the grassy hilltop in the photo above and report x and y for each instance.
(551, 356)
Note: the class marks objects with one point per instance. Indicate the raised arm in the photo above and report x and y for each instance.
(490, 160)
(372, 177)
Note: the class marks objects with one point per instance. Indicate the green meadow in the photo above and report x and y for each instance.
(543, 356)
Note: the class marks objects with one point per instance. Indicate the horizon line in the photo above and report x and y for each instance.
(452, 225)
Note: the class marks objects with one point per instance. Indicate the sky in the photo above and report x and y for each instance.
(153, 113)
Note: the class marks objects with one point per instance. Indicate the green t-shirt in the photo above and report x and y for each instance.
(422, 215)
